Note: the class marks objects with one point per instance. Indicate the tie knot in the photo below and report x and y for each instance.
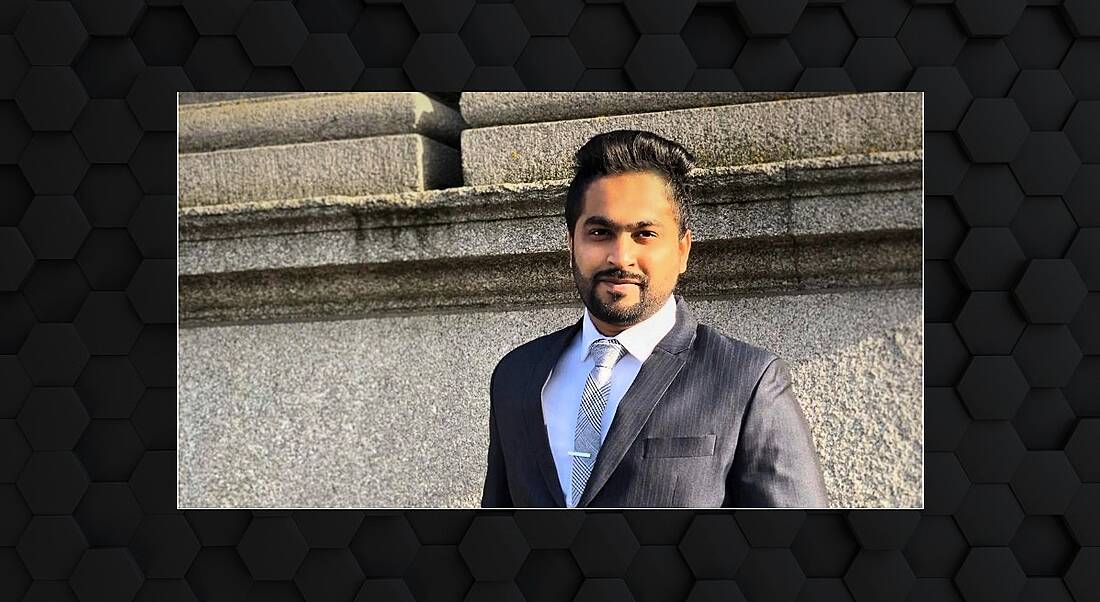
(606, 352)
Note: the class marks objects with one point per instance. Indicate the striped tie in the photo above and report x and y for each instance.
(593, 401)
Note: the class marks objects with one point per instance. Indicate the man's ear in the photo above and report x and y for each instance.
(685, 250)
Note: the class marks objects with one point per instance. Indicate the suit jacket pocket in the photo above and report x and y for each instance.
(679, 447)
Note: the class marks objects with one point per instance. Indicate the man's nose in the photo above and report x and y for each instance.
(622, 252)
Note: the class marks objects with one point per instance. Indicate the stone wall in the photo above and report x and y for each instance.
(352, 266)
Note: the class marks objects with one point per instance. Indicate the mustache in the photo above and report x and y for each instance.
(616, 274)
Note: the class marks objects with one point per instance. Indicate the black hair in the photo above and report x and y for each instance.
(626, 151)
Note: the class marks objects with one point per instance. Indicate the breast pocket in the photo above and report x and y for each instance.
(679, 447)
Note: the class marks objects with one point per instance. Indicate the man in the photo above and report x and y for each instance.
(637, 404)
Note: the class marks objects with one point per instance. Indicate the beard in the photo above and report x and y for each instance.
(611, 312)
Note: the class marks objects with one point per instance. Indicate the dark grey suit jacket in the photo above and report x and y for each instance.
(710, 421)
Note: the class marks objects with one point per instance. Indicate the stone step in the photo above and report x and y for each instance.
(270, 119)
(727, 135)
(484, 109)
(353, 167)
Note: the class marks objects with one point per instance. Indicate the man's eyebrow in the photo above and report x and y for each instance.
(599, 220)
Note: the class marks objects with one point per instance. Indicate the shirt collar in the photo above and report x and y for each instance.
(640, 339)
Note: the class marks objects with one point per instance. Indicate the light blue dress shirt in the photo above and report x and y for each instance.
(561, 393)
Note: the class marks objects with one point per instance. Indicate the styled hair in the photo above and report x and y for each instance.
(627, 151)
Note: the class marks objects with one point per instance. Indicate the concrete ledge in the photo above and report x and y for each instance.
(483, 109)
(285, 119)
(720, 136)
(384, 164)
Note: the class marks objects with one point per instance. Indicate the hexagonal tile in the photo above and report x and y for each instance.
(946, 96)
(713, 36)
(329, 16)
(329, 575)
(15, 451)
(328, 61)
(109, 450)
(594, 80)
(1050, 291)
(773, 19)
(1043, 98)
(154, 482)
(945, 292)
(980, 21)
(17, 132)
(549, 575)
(16, 580)
(438, 573)
(427, 69)
(219, 63)
(1045, 482)
(989, 196)
(883, 530)
(18, 321)
(53, 355)
(108, 66)
(54, 227)
(384, 35)
(989, 259)
(1043, 589)
(1044, 420)
(603, 36)
(1044, 227)
(987, 67)
(15, 385)
(17, 195)
(1086, 325)
(879, 574)
(52, 419)
(109, 193)
(152, 220)
(931, 36)
(165, 36)
(1084, 16)
(18, 259)
(1081, 577)
(219, 18)
(767, 64)
(771, 528)
(494, 79)
(770, 574)
(549, 64)
(106, 574)
(990, 324)
(494, 34)
(107, 323)
(152, 162)
(944, 368)
(108, 514)
(218, 573)
(1083, 129)
(993, 130)
(600, 589)
(1083, 392)
(164, 546)
(153, 355)
(1083, 253)
(53, 164)
(710, 532)
(51, 33)
(876, 17)
(1048, 355)
(152, 97)
(990, 451)
(946, 419)
(385, 589)
(52, 482)
(822, 37)
(659, 573)
(547, 529)
(439, 16)
(51, 546)
(990, 573)
(1083, 449)
(1040, 39)
(1081, 516)
(549, 17)
(1043, 547)
(107, 131)
(165, 589)
(1046, 163)
(493, 548)
(153, 291)
(824, 79)
(109, 17)
(658, 527)
(384, 545)
(1080, 196)
(937, 547)
(16, 515)
(945, 163)
(824, 547)
(604, 546)
(989, 515)
(108, 259)
(13, 66)
(660, 62)
(271, 33)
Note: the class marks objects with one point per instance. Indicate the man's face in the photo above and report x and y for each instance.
(626, 249)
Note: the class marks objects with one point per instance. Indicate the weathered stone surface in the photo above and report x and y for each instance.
(359, 166)
(285, 119)
(762, 132)
(332, 414)
(483, 109)
(190, 98)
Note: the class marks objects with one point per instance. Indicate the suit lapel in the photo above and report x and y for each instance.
(653, 380)
(532, 411)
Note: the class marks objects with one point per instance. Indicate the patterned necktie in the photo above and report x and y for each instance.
(593, 401)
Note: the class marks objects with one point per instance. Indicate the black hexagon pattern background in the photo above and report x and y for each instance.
(87, 424)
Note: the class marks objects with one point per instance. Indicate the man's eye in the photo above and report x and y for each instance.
(647, 234)
(597, 232)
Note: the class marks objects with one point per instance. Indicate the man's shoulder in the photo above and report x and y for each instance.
(710, 339)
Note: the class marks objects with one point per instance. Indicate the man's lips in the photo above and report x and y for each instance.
(619, 281)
